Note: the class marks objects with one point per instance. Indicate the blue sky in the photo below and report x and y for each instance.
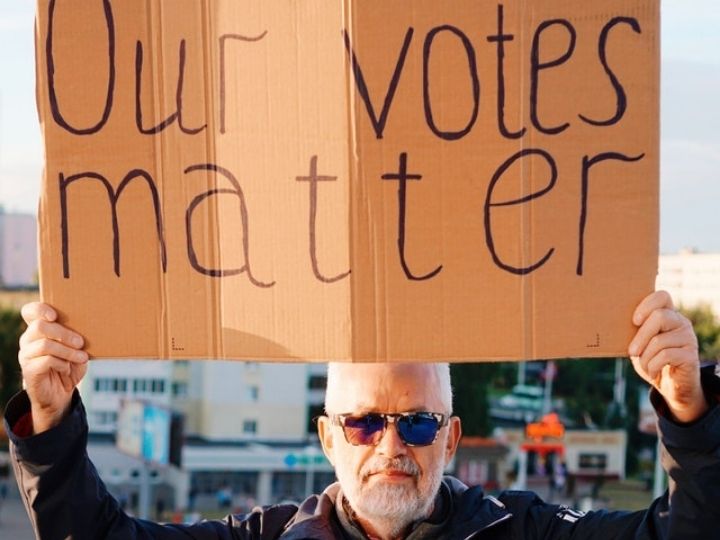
(690, 163)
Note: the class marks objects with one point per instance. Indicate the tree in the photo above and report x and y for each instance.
(11, 326)
(470, 386)
(586, 386)
(707, 330)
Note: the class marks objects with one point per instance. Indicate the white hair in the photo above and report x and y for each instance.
(442, 372)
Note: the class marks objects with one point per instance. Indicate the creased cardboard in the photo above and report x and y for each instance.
(349, 180)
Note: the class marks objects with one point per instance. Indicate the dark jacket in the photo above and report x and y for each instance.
(65, 497)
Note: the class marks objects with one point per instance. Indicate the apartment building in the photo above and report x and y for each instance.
(18, 250)
(691, 277)
(247, 426)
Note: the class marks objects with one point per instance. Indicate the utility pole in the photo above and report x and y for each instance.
(550, 371)
(620, 386)
(521, 372)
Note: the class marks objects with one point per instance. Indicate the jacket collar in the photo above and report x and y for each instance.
(471, 512)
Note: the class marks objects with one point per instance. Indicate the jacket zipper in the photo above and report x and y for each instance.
(486, 527)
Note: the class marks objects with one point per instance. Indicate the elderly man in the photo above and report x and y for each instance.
(389, 432)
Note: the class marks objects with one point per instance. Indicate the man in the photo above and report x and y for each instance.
(389, 432)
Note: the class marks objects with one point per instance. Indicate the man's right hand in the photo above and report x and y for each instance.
(52, 362)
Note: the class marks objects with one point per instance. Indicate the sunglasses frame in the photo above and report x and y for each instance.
(339, 420)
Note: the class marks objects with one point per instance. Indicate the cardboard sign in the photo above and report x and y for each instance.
(352, 180)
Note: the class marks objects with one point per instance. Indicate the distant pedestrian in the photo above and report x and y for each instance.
(3, 494)
(559, 476)
(224, 497)
(192, 497)
(159, 508)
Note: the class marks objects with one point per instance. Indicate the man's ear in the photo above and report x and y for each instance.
(325, 433)
(454, 434)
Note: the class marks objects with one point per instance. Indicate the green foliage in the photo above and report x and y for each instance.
(707, 330)
(586, 386)
(470, 385)
(11, 326)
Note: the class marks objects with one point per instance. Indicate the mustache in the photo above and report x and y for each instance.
(380, 464)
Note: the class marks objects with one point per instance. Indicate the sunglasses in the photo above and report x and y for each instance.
(414, 428)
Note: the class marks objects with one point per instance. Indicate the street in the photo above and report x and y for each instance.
(14, 523)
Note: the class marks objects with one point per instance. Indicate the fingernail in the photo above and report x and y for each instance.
(632, 349)
(77, 341)
(81, 356)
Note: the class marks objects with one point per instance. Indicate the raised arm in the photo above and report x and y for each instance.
(52, 362)
(664, 352)
(62, 492)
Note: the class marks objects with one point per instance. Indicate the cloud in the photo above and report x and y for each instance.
(18, 21)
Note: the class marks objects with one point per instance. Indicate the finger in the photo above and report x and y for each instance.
(40, 328)
(37, 310)
(670, 357)
(660, 320)
(653, 301)
(44, 365)
(49, 347)
(677, 339)
(77, 372)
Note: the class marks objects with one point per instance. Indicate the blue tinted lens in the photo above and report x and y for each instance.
(364, 430)
(418, 429)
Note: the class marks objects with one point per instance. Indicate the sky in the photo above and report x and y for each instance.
(690, 119)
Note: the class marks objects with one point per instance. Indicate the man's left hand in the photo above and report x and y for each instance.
(664, 352)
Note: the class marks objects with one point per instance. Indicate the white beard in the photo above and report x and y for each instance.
(395, 505)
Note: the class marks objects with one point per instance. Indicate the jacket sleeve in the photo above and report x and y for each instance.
(688, 510)
(65, 497)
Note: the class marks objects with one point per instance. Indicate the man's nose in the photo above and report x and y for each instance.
(391, 444)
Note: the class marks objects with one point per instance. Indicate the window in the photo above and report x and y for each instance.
(153, 386)
(179, 389)
(317, 382)
(253, 393)
(250, 427)
(593, 461)
(106, 418)
(114, 385)
(313, 411)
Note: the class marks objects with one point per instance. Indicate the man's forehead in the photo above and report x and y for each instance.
(377, 406)
(370, 370)
(384, 388)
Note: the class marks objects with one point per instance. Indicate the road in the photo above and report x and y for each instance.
(14, 523)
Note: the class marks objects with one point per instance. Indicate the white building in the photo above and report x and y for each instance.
(691, 278)
(247, 428)
(18, 250)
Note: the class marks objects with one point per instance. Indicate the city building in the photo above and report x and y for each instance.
(248, 430)
(18, 250)
(691, 277)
